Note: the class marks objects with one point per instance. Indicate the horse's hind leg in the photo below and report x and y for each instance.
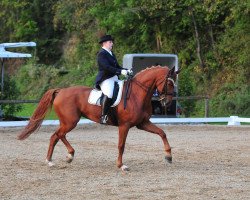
(53, 141)
(71, 151)
(60, 134)
(148, 126)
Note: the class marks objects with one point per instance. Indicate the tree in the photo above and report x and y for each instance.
(17, 21)
(11, 92)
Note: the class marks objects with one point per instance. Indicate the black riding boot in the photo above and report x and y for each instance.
(106, 103)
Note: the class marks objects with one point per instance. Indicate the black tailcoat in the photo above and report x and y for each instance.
(107, 65)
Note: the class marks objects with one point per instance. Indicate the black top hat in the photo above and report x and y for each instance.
(106, 38)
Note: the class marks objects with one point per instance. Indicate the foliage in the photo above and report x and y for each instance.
(232, 100)
(10, 92)
(186, 88)
(210, 37)
(35, 77)
(25, 20)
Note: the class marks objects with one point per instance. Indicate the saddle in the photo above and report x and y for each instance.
(96, 96)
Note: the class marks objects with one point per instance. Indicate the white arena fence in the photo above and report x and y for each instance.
(232, 120)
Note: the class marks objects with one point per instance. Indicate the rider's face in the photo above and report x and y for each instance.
(108, 45)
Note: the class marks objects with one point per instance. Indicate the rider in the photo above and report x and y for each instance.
(108, 73)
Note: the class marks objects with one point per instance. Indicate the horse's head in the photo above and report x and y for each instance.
(166, 86)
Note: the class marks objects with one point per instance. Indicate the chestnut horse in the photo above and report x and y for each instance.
(70, 104)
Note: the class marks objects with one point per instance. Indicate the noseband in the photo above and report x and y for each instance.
(164, 93)
(166, 89)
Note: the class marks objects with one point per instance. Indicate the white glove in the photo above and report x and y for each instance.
(124, 72)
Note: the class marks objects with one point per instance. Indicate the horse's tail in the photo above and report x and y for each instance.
(39, 114)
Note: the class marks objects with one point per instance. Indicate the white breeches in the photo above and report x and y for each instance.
(107, 86)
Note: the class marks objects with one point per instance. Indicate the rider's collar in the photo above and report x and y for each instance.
(108, 51)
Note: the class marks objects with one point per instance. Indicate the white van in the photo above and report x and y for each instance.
(138, 62)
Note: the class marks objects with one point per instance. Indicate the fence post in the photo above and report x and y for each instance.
(206, 107)
(233, 121)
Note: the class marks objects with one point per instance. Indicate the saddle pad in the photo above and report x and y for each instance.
(95, 95)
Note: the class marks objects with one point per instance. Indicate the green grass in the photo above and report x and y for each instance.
(29, 108)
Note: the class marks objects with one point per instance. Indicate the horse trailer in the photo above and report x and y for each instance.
(138, 62)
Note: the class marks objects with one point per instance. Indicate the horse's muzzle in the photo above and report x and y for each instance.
(168, 103)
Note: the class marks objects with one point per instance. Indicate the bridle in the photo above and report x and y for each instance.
(164, 93)
(145, 88)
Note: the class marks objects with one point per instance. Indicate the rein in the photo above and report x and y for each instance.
(126, 90)
(164, 93)
(145, 88)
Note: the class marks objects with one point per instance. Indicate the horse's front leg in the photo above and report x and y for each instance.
(148, 126)
(123, 132)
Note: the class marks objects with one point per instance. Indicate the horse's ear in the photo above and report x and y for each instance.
(178, 71)
(171, 72)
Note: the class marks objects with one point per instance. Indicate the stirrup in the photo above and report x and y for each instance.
(104, 119)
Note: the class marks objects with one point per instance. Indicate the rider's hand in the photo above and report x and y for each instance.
(124, 72)
(130, 72)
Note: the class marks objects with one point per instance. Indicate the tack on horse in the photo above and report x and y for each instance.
(71, 103)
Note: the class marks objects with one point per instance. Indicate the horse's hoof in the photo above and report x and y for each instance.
(50, 163)
(168, 159)
(69, 158)
(124, 168)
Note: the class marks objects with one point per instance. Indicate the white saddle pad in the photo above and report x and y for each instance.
(95, 95)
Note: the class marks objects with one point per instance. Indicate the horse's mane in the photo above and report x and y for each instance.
(151, 68)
